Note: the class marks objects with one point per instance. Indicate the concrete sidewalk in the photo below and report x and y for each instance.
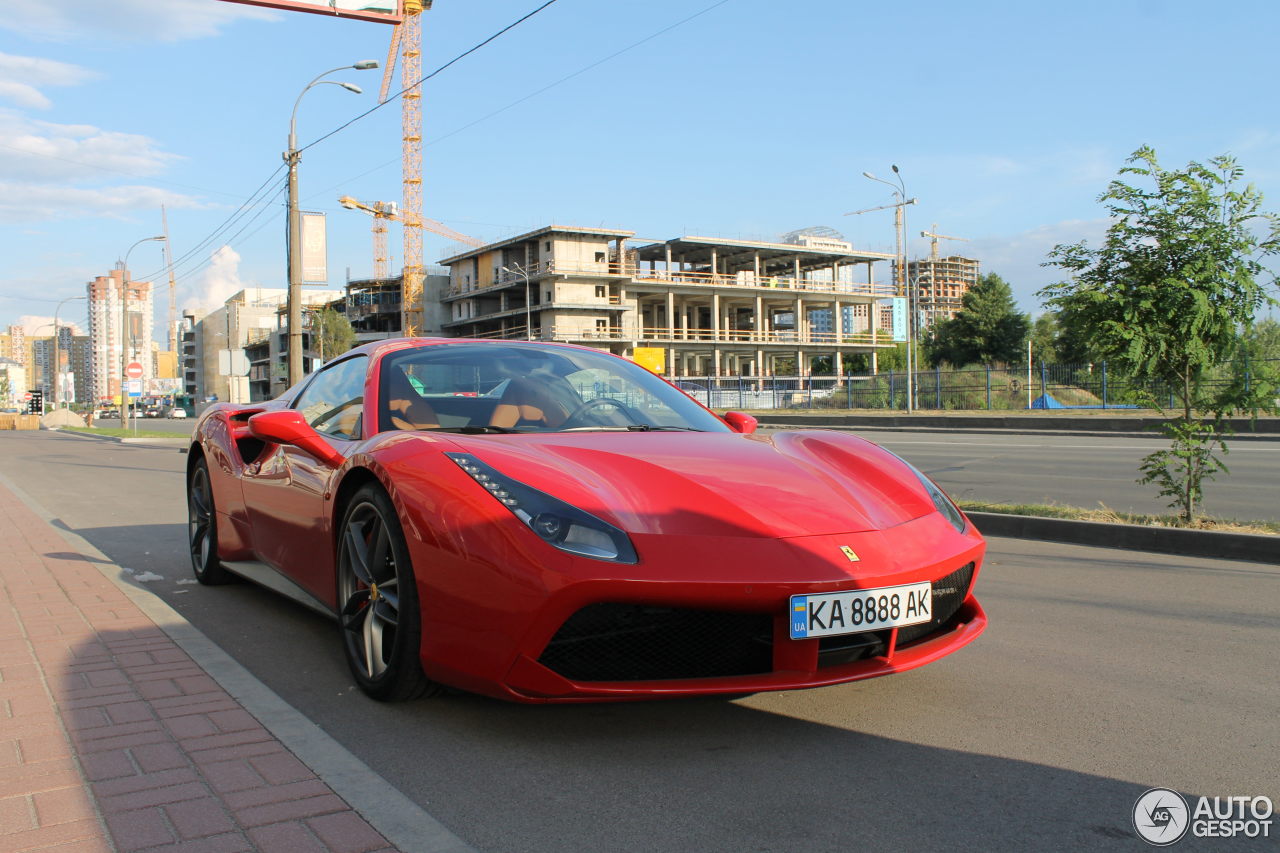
(113, 738)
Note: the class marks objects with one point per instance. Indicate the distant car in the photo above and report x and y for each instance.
(591, 534)
(177, 413)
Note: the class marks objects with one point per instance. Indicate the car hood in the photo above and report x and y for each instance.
(786, 484)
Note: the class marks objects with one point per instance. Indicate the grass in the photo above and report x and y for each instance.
(1109, 516)
(117, 432)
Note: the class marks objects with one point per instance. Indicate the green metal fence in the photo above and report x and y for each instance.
(1088, 386)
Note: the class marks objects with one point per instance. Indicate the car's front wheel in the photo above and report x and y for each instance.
(380, 618)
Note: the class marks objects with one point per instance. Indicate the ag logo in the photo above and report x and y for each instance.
(850, 553)
(1161, 817)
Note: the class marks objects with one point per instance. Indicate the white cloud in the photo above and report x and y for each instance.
(137, 21)
(27, 203)
(35, 325)
(23, 77)
(219, 281)
(38, 150)
(54, 171)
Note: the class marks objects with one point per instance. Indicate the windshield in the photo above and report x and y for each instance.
(518, 387)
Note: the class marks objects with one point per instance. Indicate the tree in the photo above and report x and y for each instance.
(336, 334)
(988, 329)
(1044, 337)
(1262, 341)
(1166, 298)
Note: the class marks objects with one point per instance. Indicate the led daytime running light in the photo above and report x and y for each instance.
(557, 523)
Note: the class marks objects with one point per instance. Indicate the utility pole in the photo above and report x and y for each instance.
(901, 283)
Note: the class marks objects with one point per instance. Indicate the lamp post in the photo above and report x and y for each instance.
(528, 310)
(56, 361)
(124, 330)
(900, 191)
(292, 156)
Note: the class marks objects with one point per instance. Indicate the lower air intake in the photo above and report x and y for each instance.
(636, 642)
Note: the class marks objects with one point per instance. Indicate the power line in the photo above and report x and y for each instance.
(226, 224)
(527, 97)
(457, 58)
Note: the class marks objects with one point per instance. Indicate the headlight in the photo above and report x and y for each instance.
(943, 503)
(559, 524)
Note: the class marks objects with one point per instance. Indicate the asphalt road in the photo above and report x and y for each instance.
(1103, 674)
(1082, 471)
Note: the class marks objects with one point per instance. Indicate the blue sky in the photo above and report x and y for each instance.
(748, 120)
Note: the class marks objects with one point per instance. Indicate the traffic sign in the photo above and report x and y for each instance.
(134, 387)
(133, 370)
(26, 398)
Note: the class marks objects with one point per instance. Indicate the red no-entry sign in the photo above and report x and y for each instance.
(26, 398)
(133, 370)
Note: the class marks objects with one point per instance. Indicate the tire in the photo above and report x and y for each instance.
(380, 620)
(202, 528)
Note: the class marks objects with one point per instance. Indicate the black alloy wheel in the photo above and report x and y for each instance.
(381, 623)
(202, 528)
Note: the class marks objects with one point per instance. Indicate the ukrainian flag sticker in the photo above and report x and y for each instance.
(799, 617)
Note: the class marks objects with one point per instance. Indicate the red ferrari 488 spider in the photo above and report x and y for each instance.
(545, 522)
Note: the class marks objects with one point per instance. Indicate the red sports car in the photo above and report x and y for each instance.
(545, 522)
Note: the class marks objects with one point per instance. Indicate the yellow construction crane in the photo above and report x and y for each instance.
(935, 237)
(381, 211)
(406, 39)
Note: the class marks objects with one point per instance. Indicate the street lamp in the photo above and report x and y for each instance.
(57, 365)
(528, 313)
(124, 331)
(900, 191)
(292, 156)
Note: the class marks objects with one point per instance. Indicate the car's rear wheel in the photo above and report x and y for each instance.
(202, 527)
(380, 618)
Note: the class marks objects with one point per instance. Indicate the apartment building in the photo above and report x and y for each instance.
(111, 303)
(713, 306)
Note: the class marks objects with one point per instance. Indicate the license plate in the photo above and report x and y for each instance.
(833, 613)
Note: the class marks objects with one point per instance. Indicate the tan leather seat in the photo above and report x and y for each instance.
(405, 405)
(528, 402)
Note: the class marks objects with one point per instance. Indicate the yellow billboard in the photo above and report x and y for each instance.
(653, 358)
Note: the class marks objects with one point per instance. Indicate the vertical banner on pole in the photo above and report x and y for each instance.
(315, 252)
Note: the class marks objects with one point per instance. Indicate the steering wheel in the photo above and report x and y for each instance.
(593, 403)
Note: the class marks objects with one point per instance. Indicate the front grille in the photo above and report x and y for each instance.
(948, 594)
(637, 642)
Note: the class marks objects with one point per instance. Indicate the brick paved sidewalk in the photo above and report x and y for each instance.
(112, 738)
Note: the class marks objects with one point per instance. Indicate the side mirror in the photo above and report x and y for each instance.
(287, 426)
(737, 421)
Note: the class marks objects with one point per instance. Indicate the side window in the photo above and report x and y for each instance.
(334, 401)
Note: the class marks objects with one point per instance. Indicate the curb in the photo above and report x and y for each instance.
(176, 441)
(1250, 547)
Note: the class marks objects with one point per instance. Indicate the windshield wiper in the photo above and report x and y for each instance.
(477, 429)
(630, 428)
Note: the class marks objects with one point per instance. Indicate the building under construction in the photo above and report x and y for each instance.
(940, 285)
(712, 307)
